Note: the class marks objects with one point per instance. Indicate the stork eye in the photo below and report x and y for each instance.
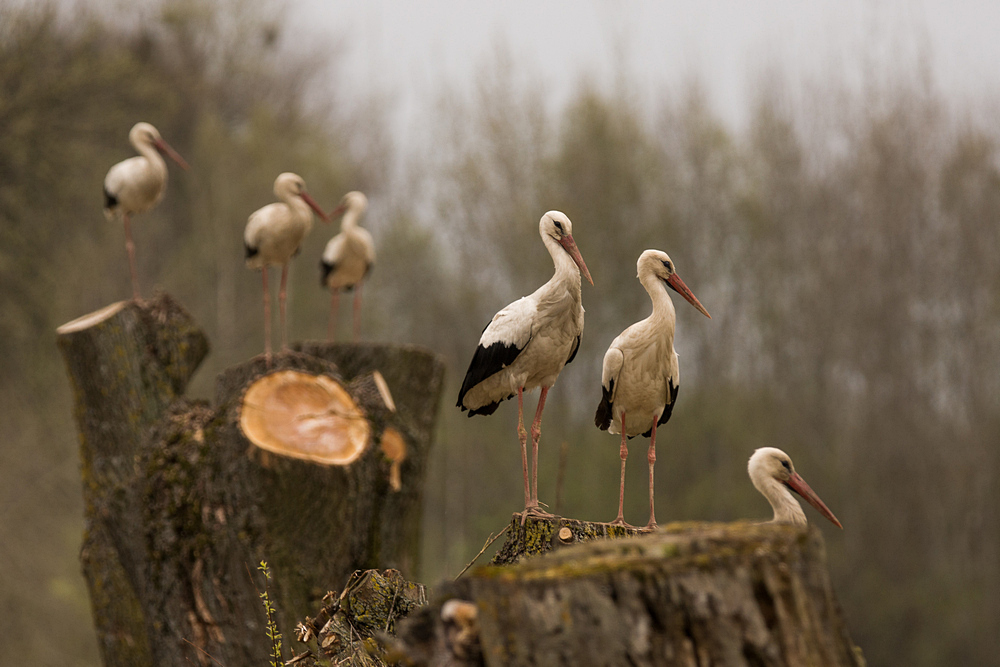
(786, 465)
(667, 266)
(558, 225)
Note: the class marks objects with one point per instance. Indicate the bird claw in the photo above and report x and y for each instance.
(536, 511)
(621, 522)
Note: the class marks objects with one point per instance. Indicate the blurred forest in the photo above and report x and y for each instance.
(845, 241)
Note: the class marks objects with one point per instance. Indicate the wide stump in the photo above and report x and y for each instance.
(725, 595)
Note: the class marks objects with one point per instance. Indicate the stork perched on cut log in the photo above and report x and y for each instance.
(641, 376)
(773, 474)
(347, 259)
(137, 184)
(273, 236)
(527, 344)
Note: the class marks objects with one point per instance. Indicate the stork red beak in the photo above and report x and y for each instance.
(338, 211)
(165, 148)
(574, 252)
(314, 206)
(675, 283)
(799, 486)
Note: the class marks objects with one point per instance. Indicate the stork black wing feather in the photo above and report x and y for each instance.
(576, 347)
(605, 414)
(250, 251)
(668, 408)
(110, 201)
(485, 362)
(325, 270)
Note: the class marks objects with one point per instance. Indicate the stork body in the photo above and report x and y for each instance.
(273, 236)
(641, 376)
(137, 184)
(347, 259)
(773, 474)
(527, 344)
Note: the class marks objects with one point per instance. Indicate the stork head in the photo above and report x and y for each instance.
(144, 134)
(556, 225)
(288, 185)
(354, 201)
(770, 465)
(658, 263)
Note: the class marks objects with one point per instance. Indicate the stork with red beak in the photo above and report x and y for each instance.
(641, 376)
(527, 344)
(272, 237)
(773, 474)
(137, 184)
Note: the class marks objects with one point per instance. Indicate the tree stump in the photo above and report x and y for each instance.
(182, 506)
(725, 595)
(537, 536)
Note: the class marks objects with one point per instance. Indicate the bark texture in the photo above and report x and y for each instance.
(181, 507)
(537, 536)
(725, 595)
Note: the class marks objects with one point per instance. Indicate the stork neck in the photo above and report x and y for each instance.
(566, 270)
(350, 220)
(297, 204)
(663, 307)
(786, 507)
(149, 152)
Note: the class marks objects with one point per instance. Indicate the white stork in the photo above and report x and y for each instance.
(136, 185)
(527, 344)
(773, 474)
(347, 259)
(272, 237)
(641, 376)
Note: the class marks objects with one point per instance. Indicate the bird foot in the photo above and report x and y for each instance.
(651, 526)
(621, 522)
(535, 511)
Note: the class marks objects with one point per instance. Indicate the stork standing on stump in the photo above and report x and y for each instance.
(137, 184)
(527, 344)
(773, 474)
(273, 236)
(347, 259)
(641, 376)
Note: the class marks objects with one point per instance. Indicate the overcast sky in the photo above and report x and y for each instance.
(410, 48)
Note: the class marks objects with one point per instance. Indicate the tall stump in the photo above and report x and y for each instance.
(184, 499)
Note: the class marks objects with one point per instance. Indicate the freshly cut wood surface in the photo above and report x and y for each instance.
(310, 417)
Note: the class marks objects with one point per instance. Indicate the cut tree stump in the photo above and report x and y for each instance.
(725, 595)
(537, 536)
(181, 505)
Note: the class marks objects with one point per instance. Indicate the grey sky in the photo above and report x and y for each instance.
(410, 48)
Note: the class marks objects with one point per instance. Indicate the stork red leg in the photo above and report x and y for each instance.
(357, 312)
(267, 318)
(281, 306)
(651, 457)
(331, 324)
(623, 453)
(522, 435)
(536, 433)
(130, 249)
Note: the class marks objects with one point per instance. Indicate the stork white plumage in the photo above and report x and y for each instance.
(641, 376)
(347, 259)
(773, 474)
(527, 344)
(137, 184)
(272, 237)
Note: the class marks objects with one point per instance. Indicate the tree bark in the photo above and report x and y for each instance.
(724, 595)
(181, 507)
